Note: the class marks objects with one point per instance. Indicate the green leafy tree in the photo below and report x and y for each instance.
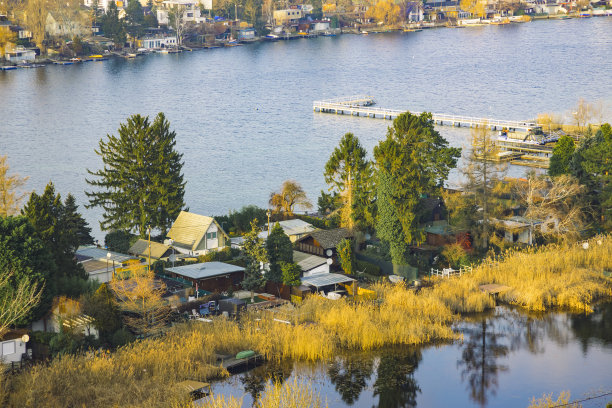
(119, 241)
(291, 273)
(562, 156)
(141, 183)
(255, 254)
(345, 253)
(349, 175)
(101, 306)
(279, 250)
(26, 257)
(55, 225)
(327, 204)
(412, 162)
(134, 18)
(592, 165)
(112, 26)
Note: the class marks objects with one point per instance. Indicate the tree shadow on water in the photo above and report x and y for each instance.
(395, 384)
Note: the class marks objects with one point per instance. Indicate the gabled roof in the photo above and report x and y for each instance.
(296, 227)
(189, 229)
(141, 248)
(329, 238)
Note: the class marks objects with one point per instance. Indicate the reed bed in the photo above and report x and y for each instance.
(564, 276)
(145, 373)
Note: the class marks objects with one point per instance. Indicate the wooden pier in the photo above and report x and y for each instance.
(231, 364)
(362, 105)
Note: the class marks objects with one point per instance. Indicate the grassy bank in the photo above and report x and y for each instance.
(145, 373)
(567, 276)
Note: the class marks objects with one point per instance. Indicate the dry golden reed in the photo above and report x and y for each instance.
(565, 276)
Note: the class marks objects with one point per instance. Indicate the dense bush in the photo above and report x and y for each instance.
(119, 241)
(368, 267)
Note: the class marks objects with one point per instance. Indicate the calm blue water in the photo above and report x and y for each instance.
(505, 359)
(244, 117)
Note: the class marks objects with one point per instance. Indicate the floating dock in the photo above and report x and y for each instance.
(363, 105)
(231, 364)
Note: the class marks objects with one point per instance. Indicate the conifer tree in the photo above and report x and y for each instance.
(55, 227)
(349, 175)
(255, 254)
(141, 183)
(413, 161)
(279, 249)
(76, 223)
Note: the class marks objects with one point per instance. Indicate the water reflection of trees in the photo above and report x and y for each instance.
(254, 381)
(594, 326)
(479, 359)
(350, 375)
(395, 384)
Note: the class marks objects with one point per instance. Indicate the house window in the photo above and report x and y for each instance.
(211, 235)
(8, 348)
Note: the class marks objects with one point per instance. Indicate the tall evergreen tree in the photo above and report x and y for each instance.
(112, 26)
(24, 255)
(562, 156)
(255, 254)
(412, 162)
(75, 221)
(349, 174)
(141, 183)
(279, 250)
(55, 226)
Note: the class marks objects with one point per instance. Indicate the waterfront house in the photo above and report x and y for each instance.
(246, 34)
(158, 42)
(68, 25)
(158, 251)
(516, 229)
(209, 276)
(194, 234)
(191, 11)
(13, 346)
(323, 242)
(413, 11)
(20, 54)
(310, 264)
(320, 25)
(288, 16)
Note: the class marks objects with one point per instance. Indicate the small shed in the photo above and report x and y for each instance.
(210, 276)
(232, 306)
(13, 346)
(327, 282)
(310, 264)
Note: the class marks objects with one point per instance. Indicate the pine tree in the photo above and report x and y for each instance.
(413, 161)
(349, 175)
(76, 223)
(279, 249)
(55, 227)
(141, 183)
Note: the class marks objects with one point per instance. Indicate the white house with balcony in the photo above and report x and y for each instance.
(190, 11)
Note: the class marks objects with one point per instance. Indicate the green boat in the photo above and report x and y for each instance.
(245, 354)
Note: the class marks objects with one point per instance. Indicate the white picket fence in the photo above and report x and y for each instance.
(448, 272)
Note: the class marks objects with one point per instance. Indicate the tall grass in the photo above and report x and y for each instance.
(566, 276)
(146, 373)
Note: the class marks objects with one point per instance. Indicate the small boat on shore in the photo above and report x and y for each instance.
(8, 68)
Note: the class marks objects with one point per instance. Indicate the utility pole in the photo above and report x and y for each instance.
(149, 231)
(268, 214)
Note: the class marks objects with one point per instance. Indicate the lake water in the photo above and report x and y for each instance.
(243, 115)
(506, 358)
